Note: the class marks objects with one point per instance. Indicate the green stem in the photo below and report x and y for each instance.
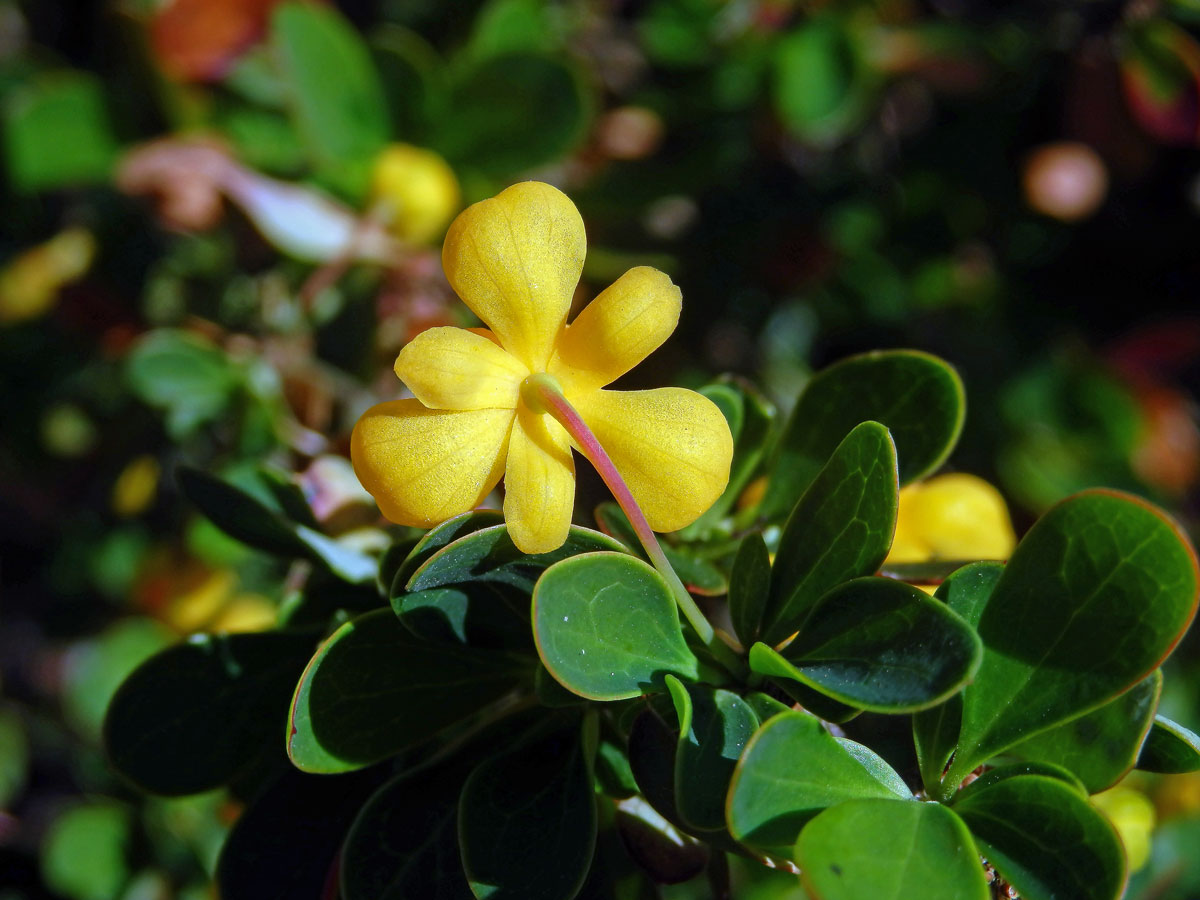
(547, 394)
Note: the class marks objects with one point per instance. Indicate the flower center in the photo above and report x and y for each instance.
(533, 389)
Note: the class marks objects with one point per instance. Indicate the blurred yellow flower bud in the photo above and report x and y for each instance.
(1132, 814)
(419, 188)
(136, 487)
(956, 516)
(30, 283)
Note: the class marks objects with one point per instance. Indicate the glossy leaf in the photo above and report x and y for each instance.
(194, 716)
(1101, 746)
(441, 536)
(917, 397)
(749, 586)
(1019, 770)
(607, 628)
(1045, 839)
(714, 726)
(527, 821)
(698, 575)
(373, 689)
(1093, 599)
(1169, 748)
(670, 856)
(490, 555)
(840, 529)
(878, 644)
(792, 769)
(881, 849)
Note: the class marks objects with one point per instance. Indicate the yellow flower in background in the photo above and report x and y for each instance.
(515, 261)
(956, 516)
(419, 189)
(30, 283)
(1132, 814)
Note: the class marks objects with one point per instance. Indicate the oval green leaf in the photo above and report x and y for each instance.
(1170, 749)
(793, 769)
(442, 536)
(749, 586)
(881, 849)
(1094, 597)
(840, 529)
(607, 628)
(374, 689)
(1045, 839)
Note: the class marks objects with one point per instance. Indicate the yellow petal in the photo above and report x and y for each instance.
(672, 446)
(451, 368)
(422, 465)
(515, 260)
(539, 484)
(626, 323)
(961, 516)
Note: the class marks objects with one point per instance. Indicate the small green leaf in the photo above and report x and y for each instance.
(613, 773)
(1045, 839)
(1101, 746)
(527, 822)
(490, 555)
(186, 377)
(479, 614)
(791, 770)
(1170, 749)
(607, 628)
(714, 726)
(414, 80)
(1094, 597)
(194, 716)
(840, 529)
(878, 644)
(85, 852)
(441, 536)
(871, 849)
(969, 588)
(14, 761)
(935, 735)
(373, 690)
(57, 132)
(917, 397)
(749, 586)
(1018, 770)
(334, 92)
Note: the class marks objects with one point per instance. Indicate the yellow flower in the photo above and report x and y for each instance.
(956, 516)
(420, 188)
(515, 260)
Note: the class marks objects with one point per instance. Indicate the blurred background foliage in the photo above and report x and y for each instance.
(222, 220)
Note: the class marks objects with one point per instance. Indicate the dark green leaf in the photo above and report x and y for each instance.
(1101, 746)
(334, 92)
(1093, 599)
(1017, 770)
(714, 726)
(614, 875)
(613, 773)
(668, 854)
(968, 589)
(935, 735)
(479, 614)
(749, 586)
(652, 747)
(373, 690)
(1170, 748)
(840, 529)
(1045, 839)
(878, 644)
(490, 555)
(14, 762)
(873, 849)
(194, 716)
(607, 628)
(918, 397)
(441, 536)
(527, 821)
(820, 705)
(792, 769)
(285, 845)
(57, 133)
(507, 26)
(413, 78)
(513, 112)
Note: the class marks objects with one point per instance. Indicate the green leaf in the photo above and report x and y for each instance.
(334, 92)
(479, 614)
(373, 689)
(285, 845)
(969, 588)
(714, 726)
(878, 644)
(840, 529)
(698, 576)
(1045, 839)
(614, 875)
(652, 747)
(880, 849)
(669, 855)
(527, 821)
(607, 628)
(1020, 769)
(441, 536)
(613, 773)
(791, 770)
(749, 586)
(14, 762)
(186, 377)
(513, 112)
(506, 26)
(823, 83)
(57, 133)
(1169, 748)
(917, 397)
(1093, 599)
(1101, 746)
(196, 715)
(490, 555)
(404, 843)
(84, 854)
(413, 78)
